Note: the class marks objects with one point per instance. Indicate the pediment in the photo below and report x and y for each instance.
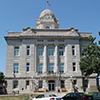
(28, 32)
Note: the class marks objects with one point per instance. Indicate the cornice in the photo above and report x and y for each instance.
(45, 37)
(57, 29)
(46, 76)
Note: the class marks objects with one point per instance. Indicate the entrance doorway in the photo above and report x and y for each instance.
(51, 85)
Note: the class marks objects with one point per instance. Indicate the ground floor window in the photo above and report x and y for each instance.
(62, 84)
(86, 82)
(15, 84)
(40, 84)
(27, 83)
(74, 82)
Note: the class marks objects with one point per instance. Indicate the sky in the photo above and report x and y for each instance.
(17, 14)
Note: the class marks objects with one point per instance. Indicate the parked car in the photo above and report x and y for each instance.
(96, 96)
(72, 96)
(47, 97)
(86, 96)
(77, 96)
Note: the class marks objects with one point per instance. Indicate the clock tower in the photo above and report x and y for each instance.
(47, 20)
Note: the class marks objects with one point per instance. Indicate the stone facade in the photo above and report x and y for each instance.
(24, 57)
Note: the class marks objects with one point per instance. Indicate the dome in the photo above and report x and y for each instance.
(46, 11)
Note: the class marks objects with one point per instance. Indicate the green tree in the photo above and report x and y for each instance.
(99, 34)
(90, 62)
(1, 77)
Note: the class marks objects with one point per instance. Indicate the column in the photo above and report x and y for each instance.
(65, 67)
(56, 58)
(36, 68)
(45, 59)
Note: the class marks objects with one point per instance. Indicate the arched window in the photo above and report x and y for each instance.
(47, 27)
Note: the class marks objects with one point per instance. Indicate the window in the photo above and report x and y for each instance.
(15, 84)
(86, 82)
(82, 52)
(50, 51)
(73, 50)
(40, 84)
(40, 68)
(27, 83)
(27, 67)
(61, 51)
(51, 40)
(62, 84)
(61, 40)
(28, 50)
(51, 68)
(40, 40)
(61, 65)
(15, 69)
(16, 51)
(40, 96)
(47, 27)
(74, 82)
(40, 51)
(74, 66)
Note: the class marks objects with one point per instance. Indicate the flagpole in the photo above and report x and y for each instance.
(46, 5)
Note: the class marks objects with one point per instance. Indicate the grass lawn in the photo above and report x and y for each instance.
(20, 97)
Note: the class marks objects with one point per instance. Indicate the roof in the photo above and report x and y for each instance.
(46, 11)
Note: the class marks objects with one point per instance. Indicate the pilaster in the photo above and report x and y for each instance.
(56, 57)
(45, 59)
(36, 68)
(65, 67)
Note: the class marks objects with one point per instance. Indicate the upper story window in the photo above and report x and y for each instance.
(60, 40)
(28, 50)
(40, 84)
(73, 50)
(40, 51)
(82, 52)
(16, 67)
(40, 40)
(61, 51)
(51, 67)
(74, 66)
(47, 27)
(16, 51)
(51, 40)
(50, 51)
(40, 68)
(27, 67)
(61, 65)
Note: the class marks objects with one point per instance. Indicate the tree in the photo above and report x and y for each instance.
(99, 34)
(90, 62)
(1, 78)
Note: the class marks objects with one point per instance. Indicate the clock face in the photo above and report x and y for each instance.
(47, 17)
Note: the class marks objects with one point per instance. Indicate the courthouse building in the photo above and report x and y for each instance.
(36, 56)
